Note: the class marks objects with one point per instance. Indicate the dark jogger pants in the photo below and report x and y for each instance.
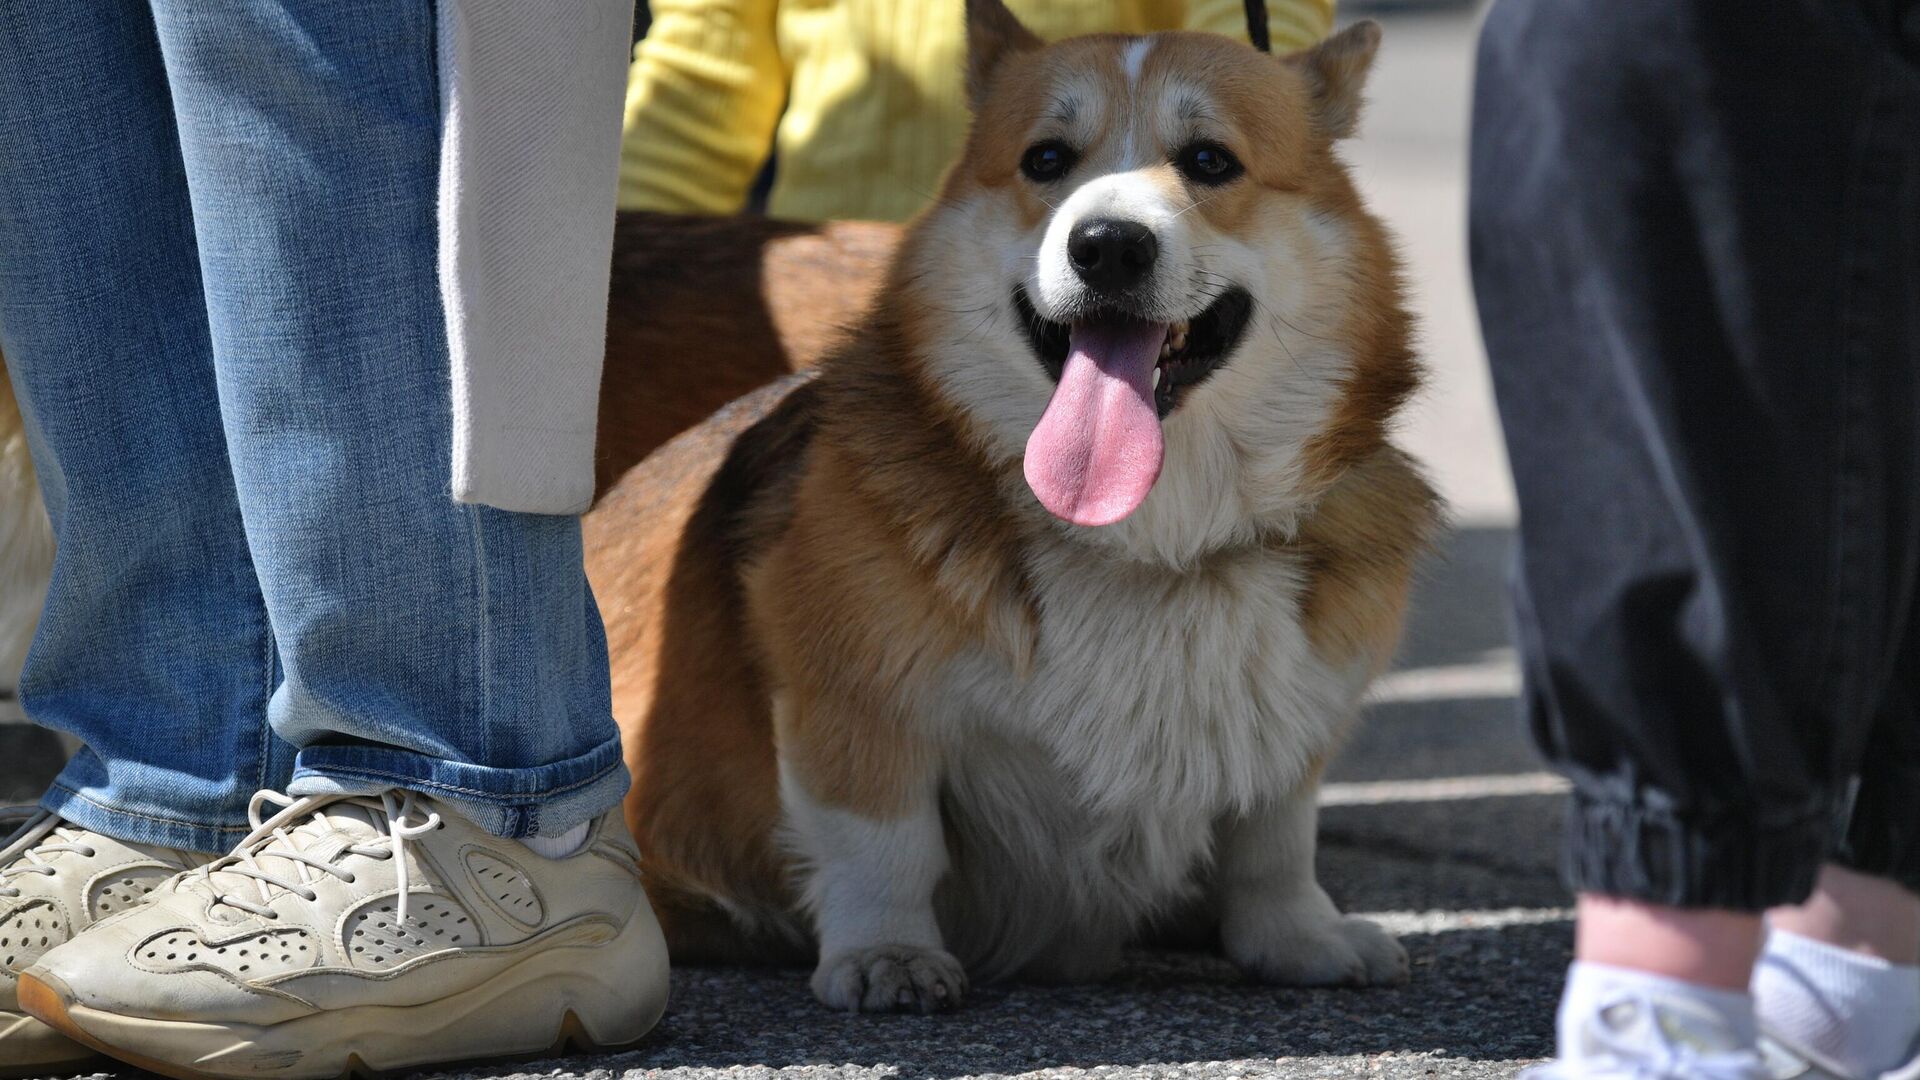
(1696, 244)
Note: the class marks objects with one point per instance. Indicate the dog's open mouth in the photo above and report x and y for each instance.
(1190, 352)
(1097, 449)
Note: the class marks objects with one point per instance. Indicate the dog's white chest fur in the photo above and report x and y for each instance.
(1085, 797)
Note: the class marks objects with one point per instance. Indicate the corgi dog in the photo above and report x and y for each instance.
(1024, 625)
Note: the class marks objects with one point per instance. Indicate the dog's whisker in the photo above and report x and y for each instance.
(1195, 205)
(1282, 341)
(1296, 329)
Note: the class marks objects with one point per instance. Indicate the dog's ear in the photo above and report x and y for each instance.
(993, 34)
(1336, 73)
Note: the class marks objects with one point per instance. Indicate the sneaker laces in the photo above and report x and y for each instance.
(294, 836)
(16, 820)
(60, 839)
(1619, 1057)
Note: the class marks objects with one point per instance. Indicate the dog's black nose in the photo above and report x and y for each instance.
(1112, 255)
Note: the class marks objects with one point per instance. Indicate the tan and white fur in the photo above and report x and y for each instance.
(885, 712)
(26, 548)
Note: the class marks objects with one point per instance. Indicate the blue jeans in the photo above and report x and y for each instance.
(1696, 243)
(219, 308)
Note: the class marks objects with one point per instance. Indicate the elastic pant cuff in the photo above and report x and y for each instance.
(1883, 836)
(1654, 855)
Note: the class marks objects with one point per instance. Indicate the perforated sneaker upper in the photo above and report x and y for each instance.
(57, 879)
(335, 902)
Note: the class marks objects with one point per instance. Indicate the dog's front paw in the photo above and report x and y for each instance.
(890, 978)
(1343, 951)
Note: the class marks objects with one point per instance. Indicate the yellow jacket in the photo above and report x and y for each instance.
(860, 99)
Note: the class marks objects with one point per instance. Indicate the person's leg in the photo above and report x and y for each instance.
(450, 649)
(1707, 946)
(154, 648)
(1868, 897)
(1688, 231)
(1872, 916)
(1839, 981)
(445, 672)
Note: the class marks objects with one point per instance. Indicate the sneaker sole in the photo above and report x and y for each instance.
(33, 1049)
(374, 1042)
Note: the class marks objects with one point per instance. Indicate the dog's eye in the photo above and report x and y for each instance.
(1047, 161)
(1208, 163)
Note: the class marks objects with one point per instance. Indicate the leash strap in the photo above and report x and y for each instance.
(1257, 25)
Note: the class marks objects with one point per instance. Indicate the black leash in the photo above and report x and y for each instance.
(1257, 25)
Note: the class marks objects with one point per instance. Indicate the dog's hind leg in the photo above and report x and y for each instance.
(701, 931)
(1276, 922)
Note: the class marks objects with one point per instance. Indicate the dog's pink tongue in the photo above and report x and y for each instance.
(1098, 448)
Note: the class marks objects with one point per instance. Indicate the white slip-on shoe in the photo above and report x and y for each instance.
(1786, 1061)
(57, 879)
(1643, 1036)
(370, 935)
(1909, 1071)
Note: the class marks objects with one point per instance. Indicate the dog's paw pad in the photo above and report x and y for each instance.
(1346, 952)
(890, 978)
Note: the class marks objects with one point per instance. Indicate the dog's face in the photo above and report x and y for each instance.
(1144, 273)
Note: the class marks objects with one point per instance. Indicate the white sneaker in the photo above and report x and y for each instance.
(57, 879)
(1640, 1037)
(1788, 1062)
(372, 935)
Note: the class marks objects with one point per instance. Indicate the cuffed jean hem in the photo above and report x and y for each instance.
(139, 827)
(545, 800)
(1650, 854)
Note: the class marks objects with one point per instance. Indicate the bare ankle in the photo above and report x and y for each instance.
(1868, 915)
(1709, 947)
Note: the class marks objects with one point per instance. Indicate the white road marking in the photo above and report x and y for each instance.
(1496, 677)
(1446, 789)
(1440, 922)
